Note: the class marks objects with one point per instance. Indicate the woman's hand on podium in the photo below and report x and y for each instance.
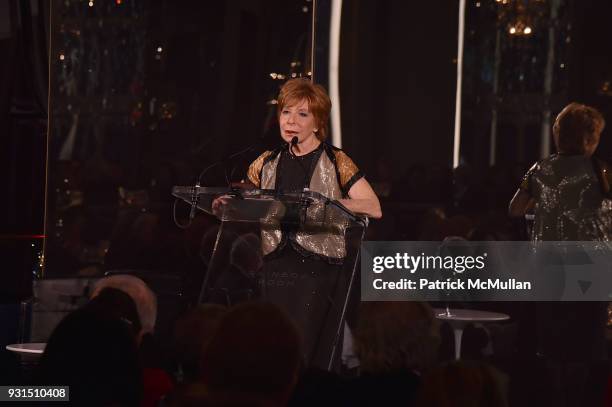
(219, 204)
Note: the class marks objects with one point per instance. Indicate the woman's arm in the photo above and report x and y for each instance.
(363, 200)
(520, 203)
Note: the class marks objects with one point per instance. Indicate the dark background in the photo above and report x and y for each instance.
(148, 120)
(144, 94)
(398, 82)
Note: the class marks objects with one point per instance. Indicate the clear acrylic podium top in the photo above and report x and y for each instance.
(261, 205)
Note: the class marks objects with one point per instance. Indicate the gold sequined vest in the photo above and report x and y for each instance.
(327, 240)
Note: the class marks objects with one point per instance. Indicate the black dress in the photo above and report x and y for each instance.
(309, 288)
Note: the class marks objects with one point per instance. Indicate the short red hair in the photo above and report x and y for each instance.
(319, 104)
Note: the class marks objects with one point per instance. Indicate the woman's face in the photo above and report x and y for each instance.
(297, 121)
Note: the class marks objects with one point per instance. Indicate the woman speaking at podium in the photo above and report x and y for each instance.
(301, 269)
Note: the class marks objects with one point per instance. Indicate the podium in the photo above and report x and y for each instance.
(255, 225)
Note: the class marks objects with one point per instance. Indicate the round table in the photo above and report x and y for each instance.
(36, 348)
(459, 318)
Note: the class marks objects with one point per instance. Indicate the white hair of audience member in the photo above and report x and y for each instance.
(143, 296)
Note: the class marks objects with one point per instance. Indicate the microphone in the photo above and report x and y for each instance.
(229, 158)
(223, 162)
(294, 142)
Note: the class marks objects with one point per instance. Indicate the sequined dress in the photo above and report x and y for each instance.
(570, 205)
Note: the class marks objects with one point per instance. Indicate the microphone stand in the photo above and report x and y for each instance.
(194, 196)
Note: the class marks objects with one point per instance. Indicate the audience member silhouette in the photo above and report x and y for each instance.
(255, 355)
(462, 384)
(192, 333)
(96, 355)
(395, 342)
